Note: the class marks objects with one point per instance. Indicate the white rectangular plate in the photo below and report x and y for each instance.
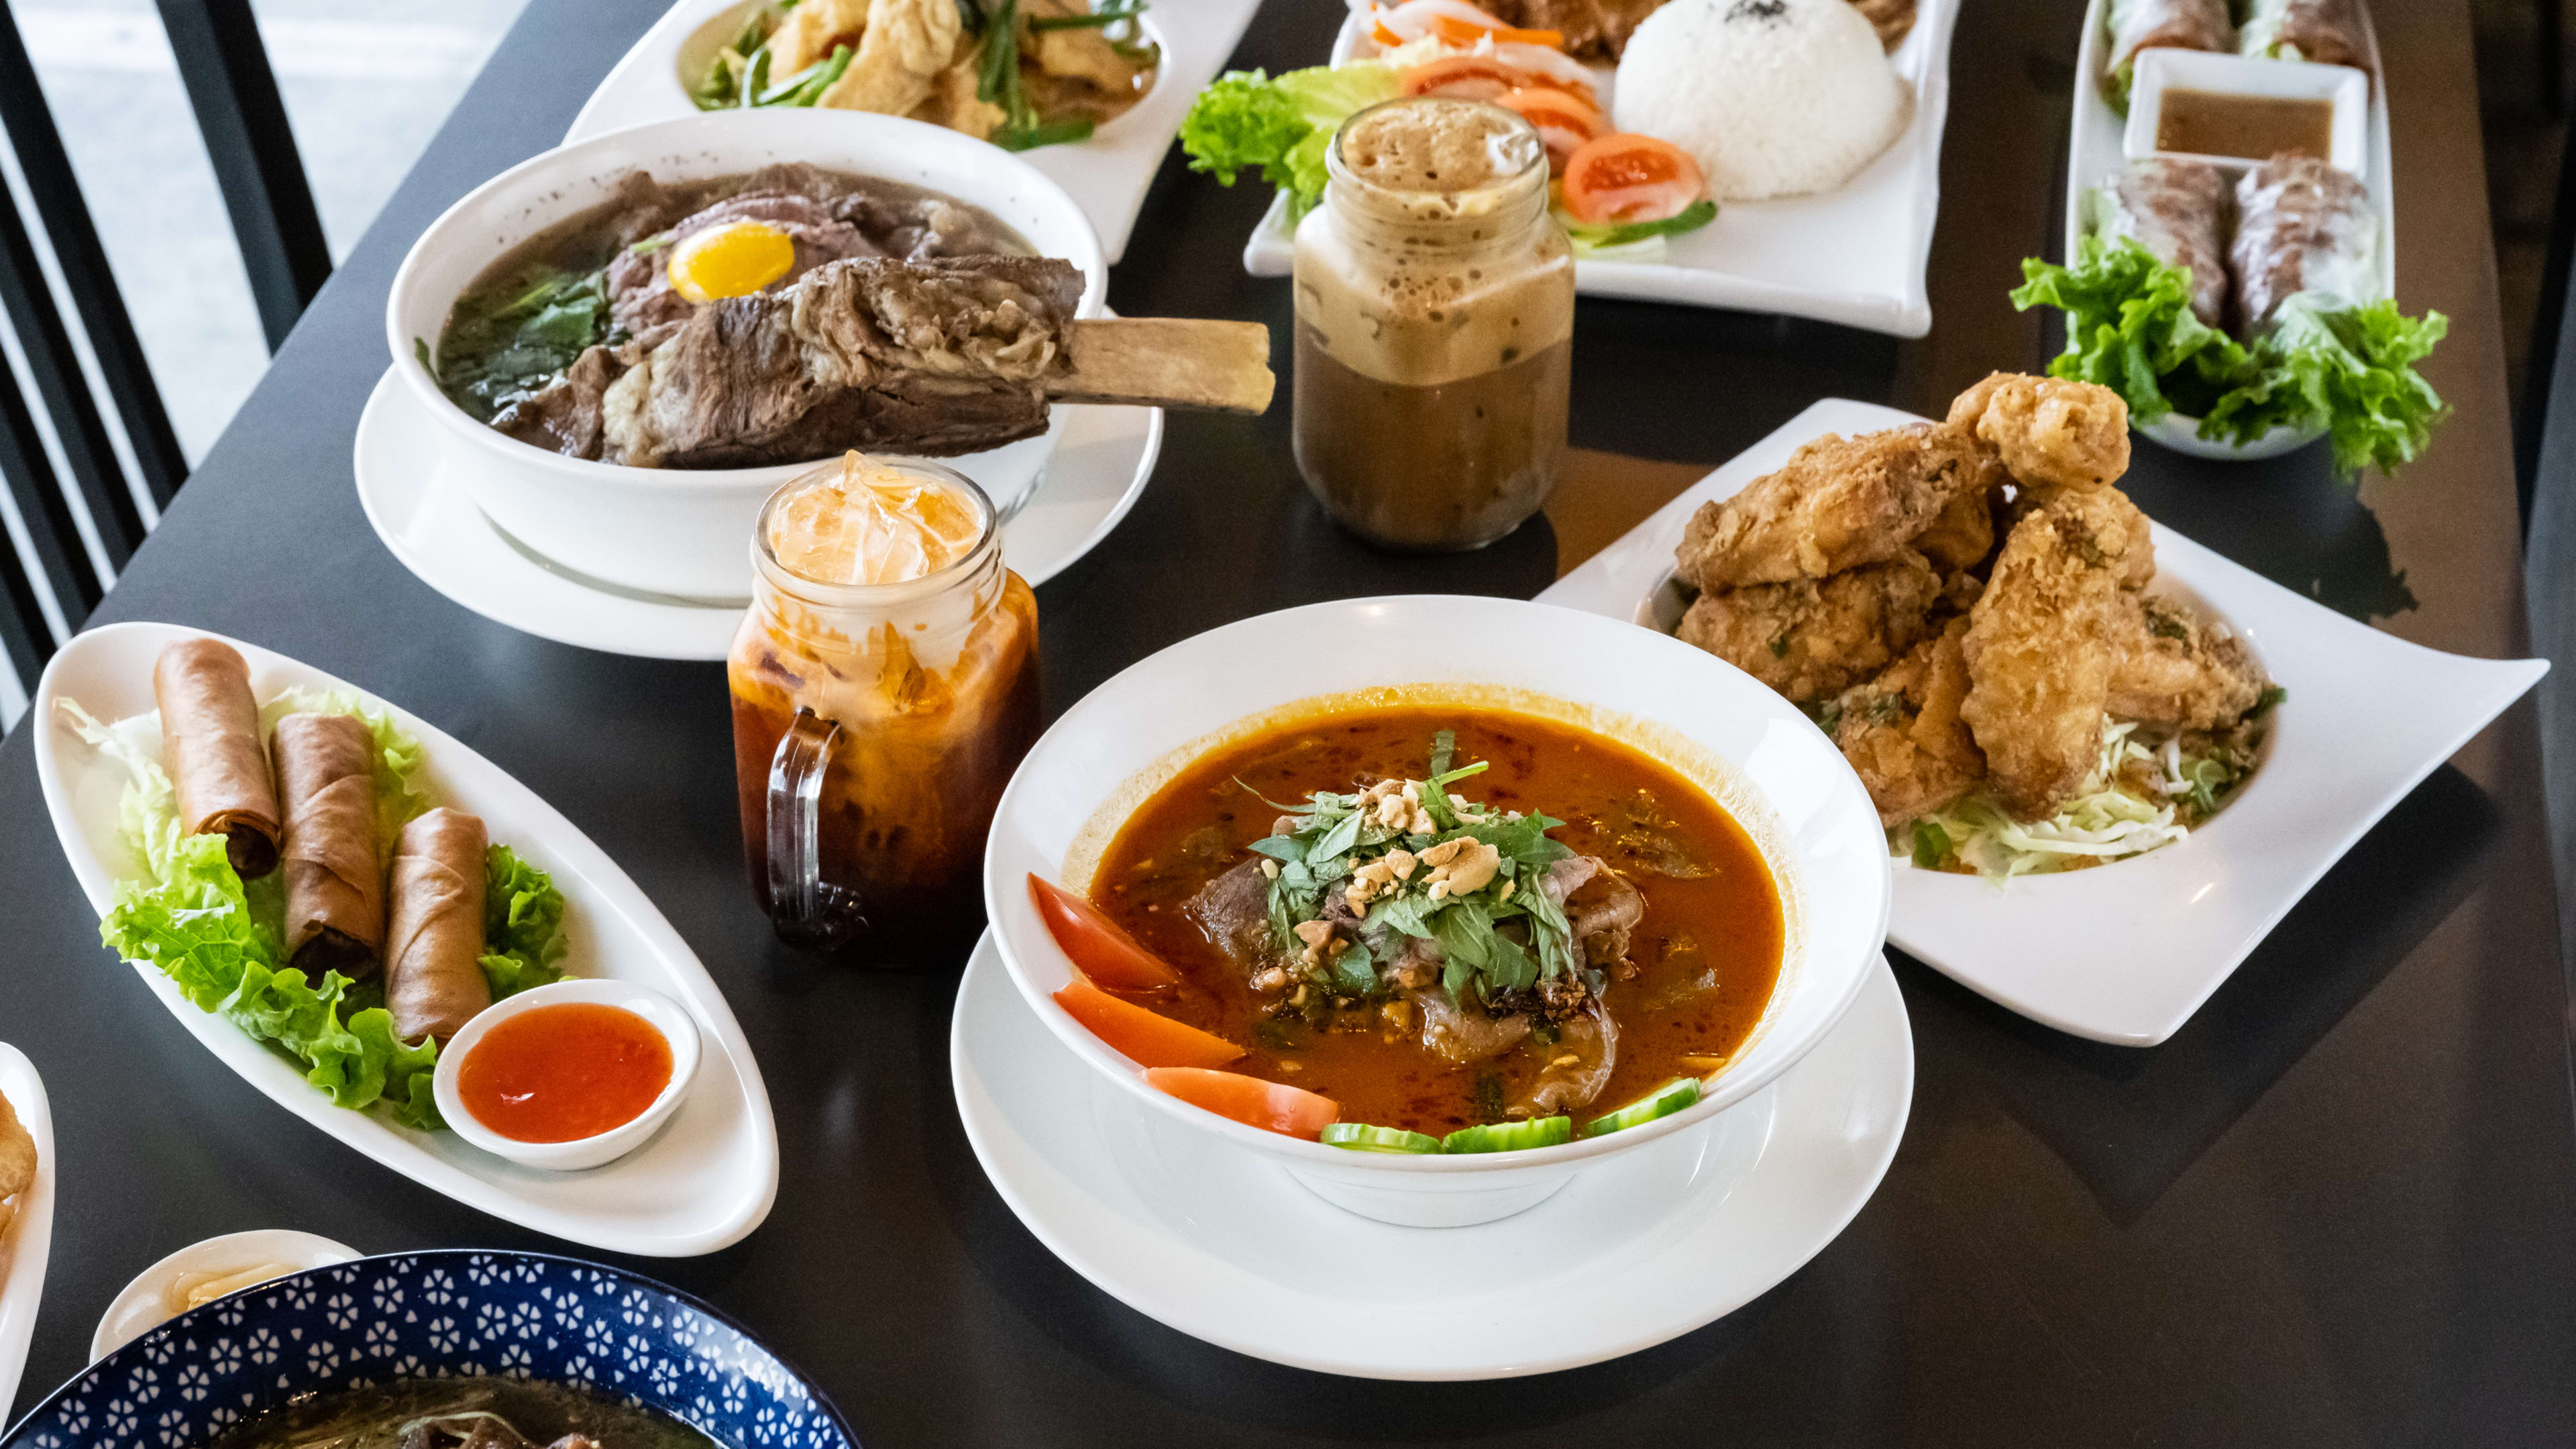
(1107, 174)
(2126, 952)
(706, 1179)
(1855, 255)
(30, 1237)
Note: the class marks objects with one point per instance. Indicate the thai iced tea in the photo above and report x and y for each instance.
(885, 686)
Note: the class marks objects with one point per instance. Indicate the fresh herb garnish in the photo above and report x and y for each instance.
(503, 346)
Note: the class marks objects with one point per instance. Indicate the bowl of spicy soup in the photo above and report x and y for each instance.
(568, 1076)
(1646, 887)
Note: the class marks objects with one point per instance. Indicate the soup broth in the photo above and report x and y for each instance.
(1700, 963)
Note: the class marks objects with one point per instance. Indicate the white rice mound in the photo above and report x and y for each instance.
(1773, 97)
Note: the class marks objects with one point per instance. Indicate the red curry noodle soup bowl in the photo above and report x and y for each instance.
(1756, 755)
(674, 531)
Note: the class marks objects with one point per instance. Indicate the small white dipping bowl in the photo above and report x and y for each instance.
(659, 1011)
(677, 531)
(145, 1303)
(1772, 769)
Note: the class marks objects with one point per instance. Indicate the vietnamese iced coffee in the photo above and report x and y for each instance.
(885, 686)
(1435, 317)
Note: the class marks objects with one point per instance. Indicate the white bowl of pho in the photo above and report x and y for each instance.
(1437, 901)
(633, 340)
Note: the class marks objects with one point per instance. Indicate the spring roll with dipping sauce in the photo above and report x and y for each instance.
(210, 745)
(2177, 210)
(2138, 25)
(2302, 226)
(2324, 32)
(335, 881)
(434, 979)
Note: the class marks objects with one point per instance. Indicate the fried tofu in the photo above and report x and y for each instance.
(2050, 431)
(1838, 503)
(2040, 653)
(1903, 734)
(1815, 637)
(17, 1160)
(2171, 670)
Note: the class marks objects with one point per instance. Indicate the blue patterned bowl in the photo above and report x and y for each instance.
(443, 1314)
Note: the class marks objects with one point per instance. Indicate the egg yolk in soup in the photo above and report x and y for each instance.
(731, 259)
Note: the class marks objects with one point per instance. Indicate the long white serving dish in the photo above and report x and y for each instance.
(2126, 952)
(704, 1182)
(1855, 255)
(28, 1240)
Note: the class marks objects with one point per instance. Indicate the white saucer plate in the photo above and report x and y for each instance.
(705, 1181)
(1854, 255)
(1185, 1229)
(406, 466)
(2096, 151)
(145, 1302)
(1107, 174)
(28, 1242)
(2125, 953)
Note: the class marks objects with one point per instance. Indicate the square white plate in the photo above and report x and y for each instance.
(1855, 255)
(1107, 174)
(2125, 953)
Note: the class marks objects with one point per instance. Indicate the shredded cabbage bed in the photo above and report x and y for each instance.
(2144, 792)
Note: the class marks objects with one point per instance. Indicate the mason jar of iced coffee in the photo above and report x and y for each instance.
(1435, 322)
(885, 686)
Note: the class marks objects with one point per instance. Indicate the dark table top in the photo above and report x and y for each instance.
(2335, 1209)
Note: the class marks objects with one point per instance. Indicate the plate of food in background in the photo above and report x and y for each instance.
(2109, 760)
(2231, 247)
(395, 941)
(26, 1210)
(1092, 96)
(1782, 157)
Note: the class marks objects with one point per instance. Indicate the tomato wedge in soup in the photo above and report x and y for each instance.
(1099, 946)
(1626, 177)
(1270, 1106)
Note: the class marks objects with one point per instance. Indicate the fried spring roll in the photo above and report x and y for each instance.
(2302, 226)
(2178, 211)
(335, 882)
(434, 979)
(210, 744)
(2138, 25)
(2326, 32)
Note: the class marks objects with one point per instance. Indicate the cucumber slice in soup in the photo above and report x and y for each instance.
(1361, 1137)
(1510, 1136)
(1664, 1101)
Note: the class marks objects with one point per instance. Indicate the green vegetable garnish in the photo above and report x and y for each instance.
(1664, 1101)
(1931, 845)
(1510, 1136)
(502, 345)
(1282, 125)
(1360, 1137)
(1589, 239)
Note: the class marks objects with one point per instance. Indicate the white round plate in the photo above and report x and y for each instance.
(28, 1240)
(1184, 1229)
(143, 1306)
(403, 463)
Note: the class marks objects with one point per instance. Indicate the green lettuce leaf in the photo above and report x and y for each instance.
(2130, 328)
(1282, 125)
(522, 924)
(2355, 368)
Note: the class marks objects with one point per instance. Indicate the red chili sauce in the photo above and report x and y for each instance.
(562, 1073)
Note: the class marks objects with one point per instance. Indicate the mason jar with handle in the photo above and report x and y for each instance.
(885, 686)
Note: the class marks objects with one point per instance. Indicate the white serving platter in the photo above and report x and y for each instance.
(2095, 152)
(406, 470)
(2126, 952)
(30, 1236)
(1855, 255)
(703, 1182)
(1107, 174)
(1187, 1229)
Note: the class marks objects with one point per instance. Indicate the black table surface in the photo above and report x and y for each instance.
(2336, 1209)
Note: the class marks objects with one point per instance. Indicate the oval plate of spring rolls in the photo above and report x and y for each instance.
(2109, 760)
(2231, 250)
(400, 944)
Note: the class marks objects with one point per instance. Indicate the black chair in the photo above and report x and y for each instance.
(243, 122)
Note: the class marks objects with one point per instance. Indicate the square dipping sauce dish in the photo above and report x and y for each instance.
(2164, 72)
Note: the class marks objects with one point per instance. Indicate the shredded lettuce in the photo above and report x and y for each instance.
(2345, 369)
(2109, 818)
(186, 913)
(1283, 125)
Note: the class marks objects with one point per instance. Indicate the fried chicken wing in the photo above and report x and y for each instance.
(2049, 431)
(2113, 521)
(1962, 535)
(1813, 637)
(2040, 654)
(1903, 734)
(1837, 504)
(2171, 670)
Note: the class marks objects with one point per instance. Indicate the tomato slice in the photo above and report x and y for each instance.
(1270, 1106)
(1467, 77)
(1098, 945)
(1147, 1037)
(1626, 177)
(1564, 122)
(1454, 31)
